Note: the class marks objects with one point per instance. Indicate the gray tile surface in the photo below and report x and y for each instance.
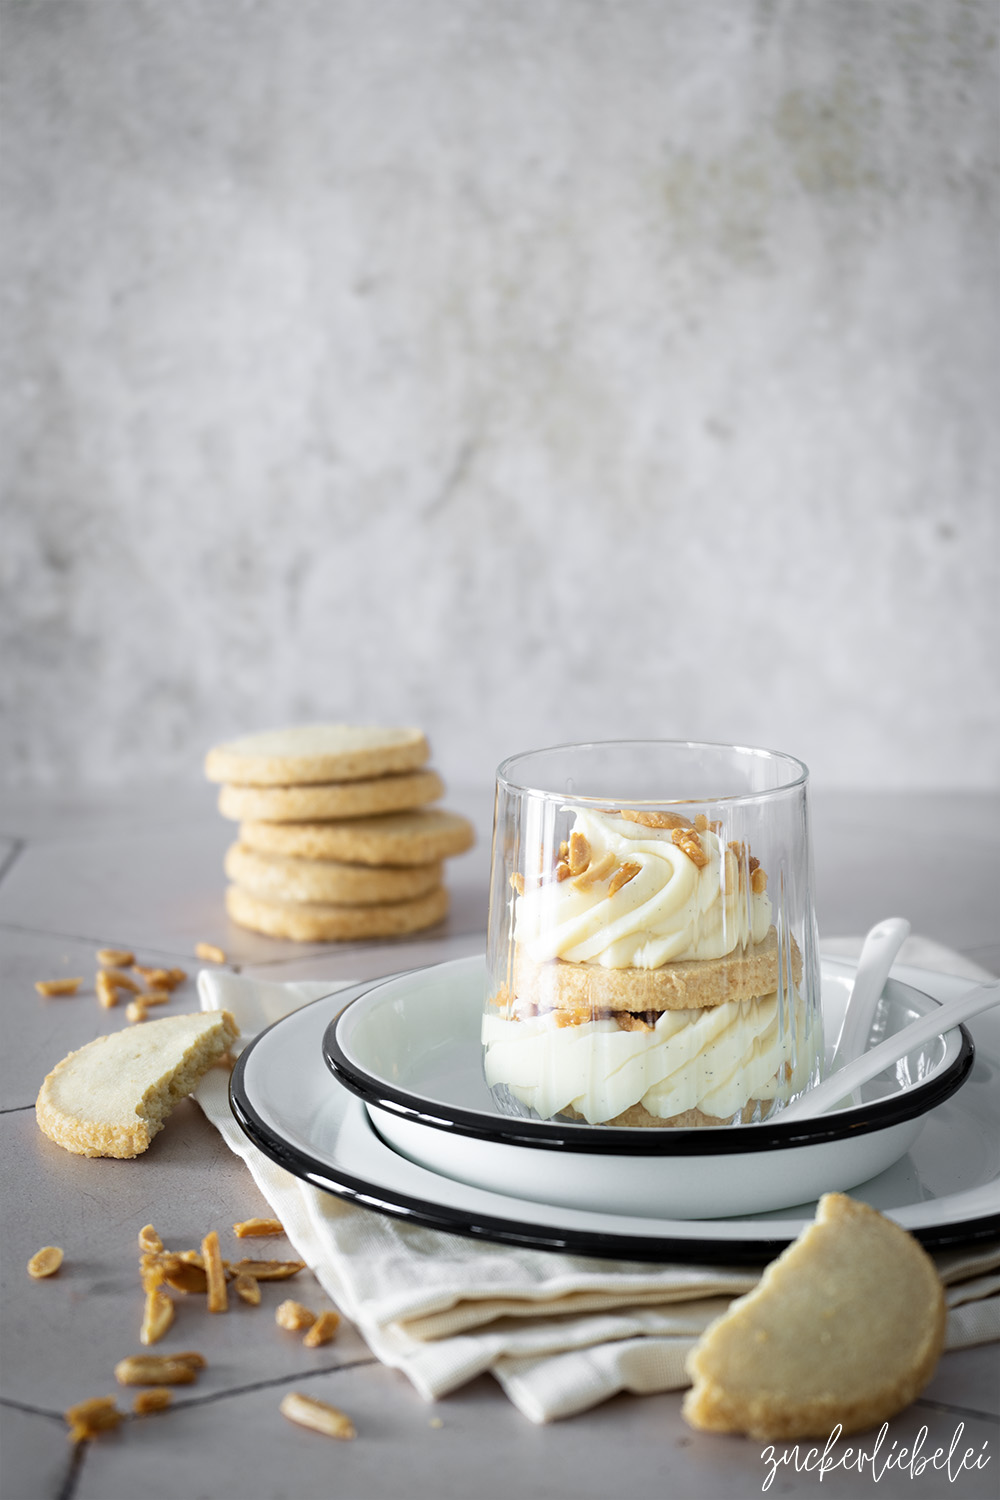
(82, 879)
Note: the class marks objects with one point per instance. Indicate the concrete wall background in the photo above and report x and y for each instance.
(530, 371)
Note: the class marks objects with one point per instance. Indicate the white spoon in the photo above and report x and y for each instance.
(835, 1088)
(877, 957)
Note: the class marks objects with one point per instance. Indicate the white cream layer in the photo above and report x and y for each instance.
(715, 1060)
(671, 910)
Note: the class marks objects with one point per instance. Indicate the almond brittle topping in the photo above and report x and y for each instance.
(650, 819)
(517, 882)
(596, 870)
(690, 844)
(622, 877)
(579, 853)
(563, 871)
(758, 881)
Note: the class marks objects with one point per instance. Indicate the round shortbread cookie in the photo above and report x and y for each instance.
(348, 799)
(279, 879)
(843, 1331)
(111, 1097)
(584, 988)
(309, 753)
(317, 922)
(406, 838)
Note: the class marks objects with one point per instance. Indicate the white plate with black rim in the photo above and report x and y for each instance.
(410, 1049)
(946, 1189)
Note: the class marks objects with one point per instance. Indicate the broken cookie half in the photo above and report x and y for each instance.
(845, 1328)
(112, 1096)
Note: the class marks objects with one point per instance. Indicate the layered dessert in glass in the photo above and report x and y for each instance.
(645, 968)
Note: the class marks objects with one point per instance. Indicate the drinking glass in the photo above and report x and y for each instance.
(652, 952)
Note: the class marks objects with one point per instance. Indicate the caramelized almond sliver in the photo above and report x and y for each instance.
(209, 953)
(690, 844)
(49, 987)
(149, 1240)
(120, 980)
(758, 881)
(595, 871)
(579, 853)
(158, 1369)
(323, 1330)
(293, 1316)
(45, 1262)
(623, 876)
(215, 1272)
(247, 1288)
(87, 1418)
(115, 958)
(517, 882)
(248, 1228)
(650, 819)
(308, 1412)
(157, 1316)
(150, 1401)
(269, 1270)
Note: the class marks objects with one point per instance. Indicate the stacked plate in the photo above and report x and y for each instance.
(381, 1100)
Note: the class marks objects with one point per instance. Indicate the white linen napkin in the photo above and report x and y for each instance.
(560, 1333)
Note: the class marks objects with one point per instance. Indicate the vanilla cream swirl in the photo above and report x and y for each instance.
(716, 1059)
(671, 909)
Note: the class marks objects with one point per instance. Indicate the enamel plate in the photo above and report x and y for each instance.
(945, 1188)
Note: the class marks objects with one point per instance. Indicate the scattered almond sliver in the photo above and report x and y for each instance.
(251, 1227)
(293, 1316)
(159, 1369)
(247, 1288)
(49, 987)
(269, 1270)
(215, 1273)
(119, 980)
(209, 953)
(115, 958)
(308, 1412)
(150, 1401)
(87, 1418)
(135, 1011)
(45, 1262)
(323, 1330)
(149, 1240)
(157, 1316)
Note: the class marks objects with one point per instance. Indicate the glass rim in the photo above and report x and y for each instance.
(800, 779)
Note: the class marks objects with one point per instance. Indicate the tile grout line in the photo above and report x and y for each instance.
(13, 855)
(274, 1382)
(957, 1411)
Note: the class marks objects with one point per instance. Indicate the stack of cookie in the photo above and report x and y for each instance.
(336, 840)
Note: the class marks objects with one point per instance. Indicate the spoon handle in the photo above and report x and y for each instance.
(877, 956)
(828, 1093)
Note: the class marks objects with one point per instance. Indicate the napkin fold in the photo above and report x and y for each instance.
(560, 1333)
